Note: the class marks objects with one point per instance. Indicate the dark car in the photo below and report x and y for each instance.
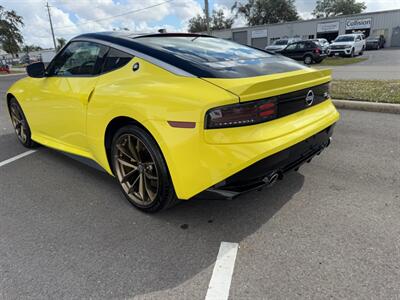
(307, 51)
(4, 68)
(375, 42)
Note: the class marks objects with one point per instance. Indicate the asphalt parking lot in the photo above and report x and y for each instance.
(330, 230)
(383, 64)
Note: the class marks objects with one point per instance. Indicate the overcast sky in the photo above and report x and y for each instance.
(70, 17)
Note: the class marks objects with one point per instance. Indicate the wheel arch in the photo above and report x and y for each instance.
(9, 96)
(308, 54)
(116, 124)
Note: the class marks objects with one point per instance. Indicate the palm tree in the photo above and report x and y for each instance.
(60, 43)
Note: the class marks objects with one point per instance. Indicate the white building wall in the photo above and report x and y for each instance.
(384, 20)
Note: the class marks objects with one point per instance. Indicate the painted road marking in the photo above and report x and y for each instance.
(10, 160)
(221, 278)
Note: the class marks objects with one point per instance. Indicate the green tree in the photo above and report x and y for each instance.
(10, 34)
(30, 48)
(217, 21)
(329, 8)
(259, 12)
(60, 43)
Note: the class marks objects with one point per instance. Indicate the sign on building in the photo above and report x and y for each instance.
(255, 34)
(358, 23)
(328, 27)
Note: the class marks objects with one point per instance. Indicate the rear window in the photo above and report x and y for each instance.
(206, 56)
(281, 42)
(202, 49)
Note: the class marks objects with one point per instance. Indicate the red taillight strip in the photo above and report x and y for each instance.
(180, 124)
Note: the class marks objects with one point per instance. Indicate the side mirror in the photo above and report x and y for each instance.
(36, 70)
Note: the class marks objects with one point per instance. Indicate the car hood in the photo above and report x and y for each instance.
(342, 43)
(253, 88)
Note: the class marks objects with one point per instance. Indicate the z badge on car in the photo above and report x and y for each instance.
(310, 98)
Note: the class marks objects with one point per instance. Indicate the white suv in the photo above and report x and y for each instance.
(347, 45)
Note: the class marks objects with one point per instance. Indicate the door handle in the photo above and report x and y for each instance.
(90, 95)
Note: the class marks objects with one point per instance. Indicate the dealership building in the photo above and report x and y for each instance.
(386, 23)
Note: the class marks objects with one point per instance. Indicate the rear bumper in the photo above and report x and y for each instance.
(266, 171)
(320, 57)
(372, 46)
(198, 159)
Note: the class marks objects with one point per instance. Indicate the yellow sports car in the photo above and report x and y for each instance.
(174, 116)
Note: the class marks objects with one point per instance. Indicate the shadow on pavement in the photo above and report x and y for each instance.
(67, 231)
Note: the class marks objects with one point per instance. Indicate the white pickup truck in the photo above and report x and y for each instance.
(347, 45)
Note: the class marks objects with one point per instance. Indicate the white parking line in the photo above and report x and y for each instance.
(221, 278)
(10, 160)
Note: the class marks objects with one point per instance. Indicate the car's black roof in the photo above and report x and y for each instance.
(130, 40)
(132, 43)
(133, 35)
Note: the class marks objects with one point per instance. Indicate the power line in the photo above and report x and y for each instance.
(115, 16)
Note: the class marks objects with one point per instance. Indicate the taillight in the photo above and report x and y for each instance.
(241, 114)
(317, 50)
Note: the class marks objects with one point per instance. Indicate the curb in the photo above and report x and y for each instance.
(15, 74)
(368, 106)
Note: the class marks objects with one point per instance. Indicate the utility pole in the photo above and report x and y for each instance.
(51, 26)
(207, 16)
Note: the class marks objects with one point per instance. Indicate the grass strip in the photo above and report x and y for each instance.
(341, 61)
(385, 91)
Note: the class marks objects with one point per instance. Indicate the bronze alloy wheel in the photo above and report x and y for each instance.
(136, 170)
(19, 123)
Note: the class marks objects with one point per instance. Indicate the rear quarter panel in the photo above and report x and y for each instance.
(151, 96)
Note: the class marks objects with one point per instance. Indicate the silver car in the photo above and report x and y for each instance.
(323, 43)
(281, 44)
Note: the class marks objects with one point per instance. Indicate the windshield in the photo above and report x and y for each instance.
(344, 38)
(281, 42)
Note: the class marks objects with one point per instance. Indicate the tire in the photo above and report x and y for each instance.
(352, 53)
(20, 124)
(141, 171)
(307, 59)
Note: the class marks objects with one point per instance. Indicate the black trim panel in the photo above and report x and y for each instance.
(296, 101)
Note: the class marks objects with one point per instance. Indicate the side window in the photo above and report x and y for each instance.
(78, 59)
(301, 46)
(115, 59)
(291, 47)
(310, 45)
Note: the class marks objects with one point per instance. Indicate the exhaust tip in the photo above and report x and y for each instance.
(329, 142)
(271, 179)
